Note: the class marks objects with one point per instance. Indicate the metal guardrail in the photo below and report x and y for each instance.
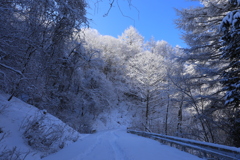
(198, 148)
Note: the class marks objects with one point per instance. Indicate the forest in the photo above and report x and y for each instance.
(52, 59)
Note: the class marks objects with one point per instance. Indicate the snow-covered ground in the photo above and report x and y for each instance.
(119, 145)
(16, 120)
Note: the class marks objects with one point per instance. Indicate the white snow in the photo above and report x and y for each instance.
(104, 145)
(119, 145)
(231, 19)
(190, 141)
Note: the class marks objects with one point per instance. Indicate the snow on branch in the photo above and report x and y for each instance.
(230, 20)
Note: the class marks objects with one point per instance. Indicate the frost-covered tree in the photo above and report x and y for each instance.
(133, 40)
(200, 27)
(231, 75)
(37, 62)
(35, 31)
(231, 39)
(147, 70)
(131, 37)
(201, 33)
(112, 52)
(166, 93)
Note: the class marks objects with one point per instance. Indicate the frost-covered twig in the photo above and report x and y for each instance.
(13, 154)
(8, 67)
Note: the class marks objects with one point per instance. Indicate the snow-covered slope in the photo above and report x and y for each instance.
(28, 131)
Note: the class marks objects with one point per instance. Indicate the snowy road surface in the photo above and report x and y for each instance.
(118, 145)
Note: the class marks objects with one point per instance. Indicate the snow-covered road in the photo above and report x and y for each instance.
(118, 145)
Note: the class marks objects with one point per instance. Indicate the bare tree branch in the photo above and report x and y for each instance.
(8, 67)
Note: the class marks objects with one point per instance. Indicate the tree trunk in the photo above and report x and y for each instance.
(147, 110)
(166, 118)
(179, 125)
(29, 52)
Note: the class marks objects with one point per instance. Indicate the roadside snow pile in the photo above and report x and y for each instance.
(30, 133)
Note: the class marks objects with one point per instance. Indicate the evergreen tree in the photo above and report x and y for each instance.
(231, 74)
(201, 33)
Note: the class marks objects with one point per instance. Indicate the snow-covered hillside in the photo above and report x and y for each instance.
(33, 134)
(28, 131)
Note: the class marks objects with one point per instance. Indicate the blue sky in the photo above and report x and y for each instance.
(153, 18)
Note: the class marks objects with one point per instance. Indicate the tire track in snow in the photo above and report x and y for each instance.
(119, 154)
(90, 150)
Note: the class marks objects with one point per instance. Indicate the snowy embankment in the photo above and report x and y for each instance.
(30, 133)
(26, 132)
